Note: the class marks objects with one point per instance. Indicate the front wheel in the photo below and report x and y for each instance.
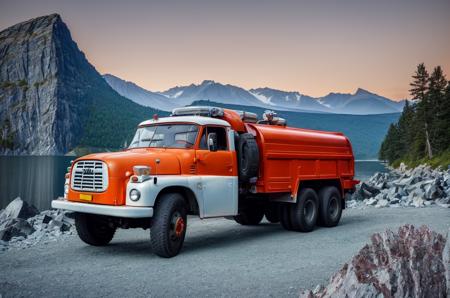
(169, 225)
(94, 229)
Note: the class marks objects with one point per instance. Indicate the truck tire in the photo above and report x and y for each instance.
(285, 216)
(250, 217)
(248, 157)
(169, 225)
(272, 213)
(330, 206)
(304, 213)
(93, 229)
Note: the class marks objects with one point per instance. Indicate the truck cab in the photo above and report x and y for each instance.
(207, 162)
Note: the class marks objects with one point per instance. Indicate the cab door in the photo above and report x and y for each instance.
(216, 170)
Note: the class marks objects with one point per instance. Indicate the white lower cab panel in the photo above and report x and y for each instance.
(216, 195)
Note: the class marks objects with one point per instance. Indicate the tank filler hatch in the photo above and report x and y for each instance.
(271, 118)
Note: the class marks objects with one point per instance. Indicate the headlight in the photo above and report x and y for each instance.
(135, 195)
(66, 188)
(141, 170)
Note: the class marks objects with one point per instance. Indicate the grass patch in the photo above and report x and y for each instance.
(442, 160)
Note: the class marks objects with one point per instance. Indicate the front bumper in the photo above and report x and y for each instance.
(117, 211)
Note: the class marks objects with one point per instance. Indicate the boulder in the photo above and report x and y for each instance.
(18, 209)
(382, 203)
(446, 261)
(369, 190)
(417, 202)
(15, 227)
(408, 263)
(371, 201)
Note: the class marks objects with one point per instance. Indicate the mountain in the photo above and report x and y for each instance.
(139, 95)
(213, 91)
(366, 132)
(361, 102)
(293, 100)
(52, 99)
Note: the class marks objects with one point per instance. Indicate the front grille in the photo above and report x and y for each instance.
(89, 175)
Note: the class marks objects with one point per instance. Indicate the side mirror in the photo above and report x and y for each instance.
(212, 141)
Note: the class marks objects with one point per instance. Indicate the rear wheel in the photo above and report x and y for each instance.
(304, 213)
(250, 217)
(272, 213)
(169, 225)
(94, 229)
(330, 209)
(285, 216)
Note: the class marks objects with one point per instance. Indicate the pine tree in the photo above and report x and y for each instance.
(419, 92)
(436, 98)
(406, 132)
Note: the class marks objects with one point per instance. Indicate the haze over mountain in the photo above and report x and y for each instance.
(360, 103)
(52, 99)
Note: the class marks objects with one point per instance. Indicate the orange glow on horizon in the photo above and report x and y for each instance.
(313, 47)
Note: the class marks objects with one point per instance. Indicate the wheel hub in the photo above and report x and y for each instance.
(179, 226)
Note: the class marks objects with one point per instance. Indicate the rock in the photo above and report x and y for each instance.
(418, 202)
(408, 263)
(46, 219)
(369, 190)
(446, 261)
(371, 201)
(394, 201)
(432, 191)
(382, 203)
(15, 227)
(18, 209)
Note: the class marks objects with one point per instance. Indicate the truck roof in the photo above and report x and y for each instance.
(200, 120)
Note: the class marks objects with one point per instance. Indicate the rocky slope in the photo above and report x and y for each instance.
(403, 187)
(22, 226)
(412, 262)
(51, 98)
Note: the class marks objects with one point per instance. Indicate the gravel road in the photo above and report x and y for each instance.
(220, 258)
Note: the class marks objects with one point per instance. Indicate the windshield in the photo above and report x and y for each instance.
(165, 136)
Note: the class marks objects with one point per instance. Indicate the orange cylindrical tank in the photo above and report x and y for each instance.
(290, 155)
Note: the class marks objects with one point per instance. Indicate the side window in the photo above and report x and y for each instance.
(221, 133)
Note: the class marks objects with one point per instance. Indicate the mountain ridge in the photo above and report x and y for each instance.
(360, 102)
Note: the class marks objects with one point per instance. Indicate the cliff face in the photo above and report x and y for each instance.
(37, 115)
(52, 99)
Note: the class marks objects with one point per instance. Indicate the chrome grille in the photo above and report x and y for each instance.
(89, 175)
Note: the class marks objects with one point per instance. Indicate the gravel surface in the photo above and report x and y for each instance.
(220, 258)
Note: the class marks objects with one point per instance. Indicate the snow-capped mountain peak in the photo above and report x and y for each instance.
(360, 102)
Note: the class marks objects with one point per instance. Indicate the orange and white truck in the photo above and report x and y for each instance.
(210, 162)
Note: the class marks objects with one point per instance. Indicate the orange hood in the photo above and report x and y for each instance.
(121, 162)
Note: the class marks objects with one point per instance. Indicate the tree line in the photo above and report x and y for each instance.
(422, 133)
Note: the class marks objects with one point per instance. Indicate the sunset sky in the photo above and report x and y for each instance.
(314, 47)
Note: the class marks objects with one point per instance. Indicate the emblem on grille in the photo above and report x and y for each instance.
(88, 171)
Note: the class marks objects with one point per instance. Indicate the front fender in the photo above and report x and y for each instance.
(149, 189)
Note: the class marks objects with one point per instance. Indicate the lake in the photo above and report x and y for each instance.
(40, 179)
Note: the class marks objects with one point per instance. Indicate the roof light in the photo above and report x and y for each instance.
(198, 111)
(248, 116)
